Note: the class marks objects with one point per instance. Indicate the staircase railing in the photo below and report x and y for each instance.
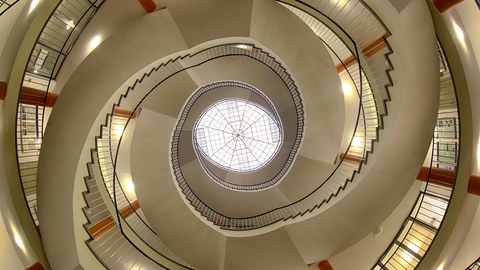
(373, 108)
(421, 226)
(346, 171)
(476, 264)
(108, 141)
(228, 83)
(106, 145)
(6, 5)
(344, 174)
(51, 48)
(108, 242)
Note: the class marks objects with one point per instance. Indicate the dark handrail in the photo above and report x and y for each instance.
(72, 33)
(5, 5)
(253, 216)
(254, 187)
(175, 60)
(216, 213)
(476, 264)
(126, 124)
(432, 191)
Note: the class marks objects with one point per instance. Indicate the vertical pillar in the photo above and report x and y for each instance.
(444, 5)
(148, 5)
(324, 265)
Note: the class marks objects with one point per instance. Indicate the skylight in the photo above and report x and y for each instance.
(238, 135)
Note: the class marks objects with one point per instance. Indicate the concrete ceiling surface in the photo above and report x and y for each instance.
(109, 20)
(307, 173)
(82, 99)
(396, 161)
(170, 96)
(273, 250)
(184, 233)
(247, 70)
(201, 21)
(179, 228)
(311, 65)
(98, 77)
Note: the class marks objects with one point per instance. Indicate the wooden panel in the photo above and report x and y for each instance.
(374, 47)
(129, 209)
(346, 63)
(446, 178)
(31, 96)
(123, 113)
(35, 266)
(474, 185)
(444, 5)
(37, 97)
(101, 227)
(106, 224)
(351, 158)
(437, 176)
(148, 5)
(3, 90)
(370, 49)
(324, 265)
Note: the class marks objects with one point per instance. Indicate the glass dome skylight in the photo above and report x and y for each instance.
(238, 135)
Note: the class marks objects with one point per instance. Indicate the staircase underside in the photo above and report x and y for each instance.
(94, 84)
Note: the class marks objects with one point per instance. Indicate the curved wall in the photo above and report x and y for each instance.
(392, 168)
(113, 61)
(71, 122)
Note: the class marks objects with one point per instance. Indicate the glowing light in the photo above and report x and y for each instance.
(70, 24)
(441, 266)
(339, 2)
(413, 247)
(244, 47)
(407, 256)
(357, 141)
(347, 88)
(18, 241)
(237, 135)
(119, 130)
(460, 34)
(33, 5)
(95, 42)
(129, 186)
(35, 71)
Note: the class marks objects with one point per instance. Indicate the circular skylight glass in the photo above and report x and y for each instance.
(238, 135)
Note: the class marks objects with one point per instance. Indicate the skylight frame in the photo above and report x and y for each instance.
(234, 151)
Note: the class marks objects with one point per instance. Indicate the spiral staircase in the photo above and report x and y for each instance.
(134, 193)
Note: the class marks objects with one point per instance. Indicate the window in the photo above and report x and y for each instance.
(237, 135)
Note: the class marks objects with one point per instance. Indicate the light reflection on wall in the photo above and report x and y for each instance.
(129, 186)
(33, 5)
(347, 88)
(460, 34)
(94, 43)
(18, 240)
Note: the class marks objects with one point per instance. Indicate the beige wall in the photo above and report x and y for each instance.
(13, 25)
(9, 258)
